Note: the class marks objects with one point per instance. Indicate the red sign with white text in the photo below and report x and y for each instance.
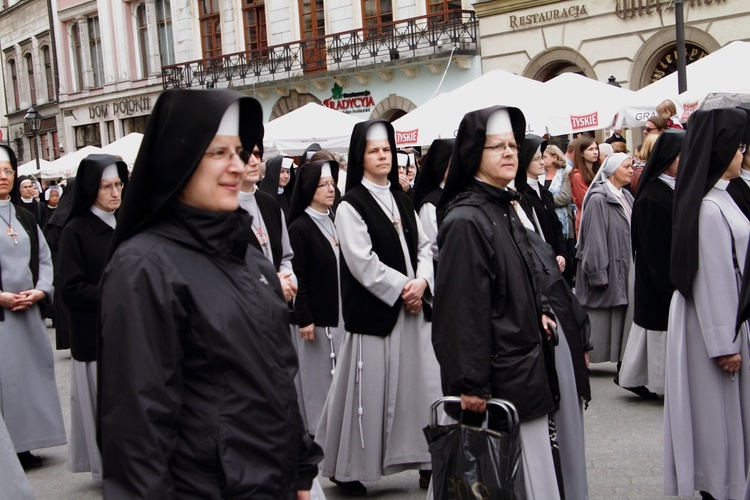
(410, 136)
(584, 121)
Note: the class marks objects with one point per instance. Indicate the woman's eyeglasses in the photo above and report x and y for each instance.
(327, 185)
(226, 154)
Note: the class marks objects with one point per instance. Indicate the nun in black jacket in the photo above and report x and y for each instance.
(197, 395)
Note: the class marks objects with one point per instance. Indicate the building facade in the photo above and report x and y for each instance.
(29, 69)
(376, 58)
(632, 40)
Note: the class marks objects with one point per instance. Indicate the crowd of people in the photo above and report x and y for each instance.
(239, 328)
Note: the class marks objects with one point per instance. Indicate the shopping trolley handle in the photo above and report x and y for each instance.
(507, 406)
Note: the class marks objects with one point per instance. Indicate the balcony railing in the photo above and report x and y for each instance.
(418, 36)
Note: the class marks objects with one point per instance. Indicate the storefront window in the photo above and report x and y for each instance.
(110, 132)
(164, 25)
(32, 81)
(142, 26)
(95, 47)
(210, 22)
(134, 124)
(254, 16)
(88, 135)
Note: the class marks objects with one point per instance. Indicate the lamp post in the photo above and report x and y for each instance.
(34, 122)
(681, 52)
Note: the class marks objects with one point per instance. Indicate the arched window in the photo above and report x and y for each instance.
(164, 26)
(14, 82)
(48, 73)
(32, 81)
(142, 26)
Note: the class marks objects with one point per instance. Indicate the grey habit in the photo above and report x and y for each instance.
(604, 258)
(317, 358)
(29, 401)
(706, 412)
(13, 480)
(372, 421)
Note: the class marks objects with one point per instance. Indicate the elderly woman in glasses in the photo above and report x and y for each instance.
(197, 366)
(84, 249)
(603, 281)
(317, 308)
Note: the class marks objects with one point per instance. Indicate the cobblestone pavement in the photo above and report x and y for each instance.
(623, 449)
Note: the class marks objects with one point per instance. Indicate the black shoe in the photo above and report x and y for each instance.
(643, 392)
(350, 488)
(29, 461)
(424, 478)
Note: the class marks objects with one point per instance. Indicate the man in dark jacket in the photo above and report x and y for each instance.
(488, 322)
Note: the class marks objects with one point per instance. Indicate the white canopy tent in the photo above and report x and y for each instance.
(29, 168)
(293, 132)
(580, 104)
(67, 166)
(126, 147)
(715, 77)
(440, 117)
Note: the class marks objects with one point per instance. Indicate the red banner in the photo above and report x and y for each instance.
(407, 137)
(585, 121)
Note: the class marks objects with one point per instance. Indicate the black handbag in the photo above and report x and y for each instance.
(471, 462)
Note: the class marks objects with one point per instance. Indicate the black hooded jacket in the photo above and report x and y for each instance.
(487, 329)
(83, 254)
(651, 232)
(196, 384)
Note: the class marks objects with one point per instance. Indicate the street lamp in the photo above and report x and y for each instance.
(34, 122)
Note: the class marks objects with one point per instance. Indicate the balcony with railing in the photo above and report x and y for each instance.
(434, 34)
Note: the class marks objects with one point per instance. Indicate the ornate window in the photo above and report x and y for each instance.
(210, 22)
(95, 47)
(32, 81)
(142, 27)
(164, 27)
(254, 17)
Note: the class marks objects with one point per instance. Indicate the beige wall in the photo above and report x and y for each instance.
(526, 36)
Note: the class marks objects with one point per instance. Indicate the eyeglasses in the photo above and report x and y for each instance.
(226, 154)
(8, 171)
(500, 147)
(327, 185)
(649, 129)
(117, 186)
(742, 148)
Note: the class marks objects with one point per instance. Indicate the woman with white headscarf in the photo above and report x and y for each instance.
(603, 283)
